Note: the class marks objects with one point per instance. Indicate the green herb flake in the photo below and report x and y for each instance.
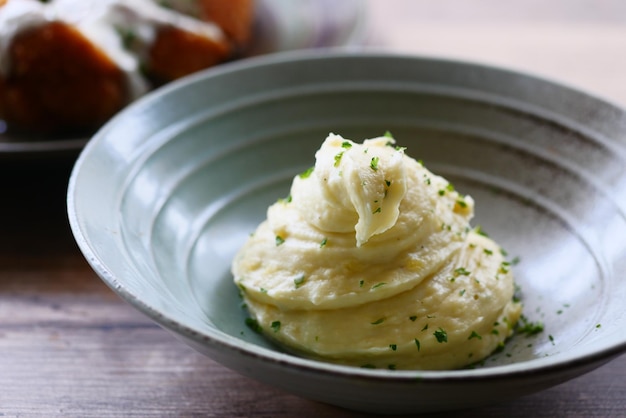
(461, 271)
(462, 292)
(487, 251)
(338, 159)
(378, 321)
(388, 183)
(361, 282)
(253, 324)
(461, 203)
(479, 230)
(474, 334)
(279, 240)
(299, 281)
(417, 344)
(413, 318)
(393, 347)
(551, 338)
(368, 366)
(425, 327)
(377, 285)
(598, 325)
(275, 326)
(285, 200)
(324, 242)
(388, 135)
(306, 173)
(450, 187)
(441, 192)
(441, 335)
(391, 367)
(378, 210)
(524, 326)
(127, 36)
(374, 163)
(346, 144)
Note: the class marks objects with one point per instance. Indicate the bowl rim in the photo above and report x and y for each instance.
(558, 362)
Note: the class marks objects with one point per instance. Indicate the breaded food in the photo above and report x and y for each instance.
(70, 65)
(60, 81)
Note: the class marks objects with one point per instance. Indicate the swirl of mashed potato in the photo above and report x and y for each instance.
(371, 262)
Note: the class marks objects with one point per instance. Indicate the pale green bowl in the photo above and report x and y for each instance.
(164, 195)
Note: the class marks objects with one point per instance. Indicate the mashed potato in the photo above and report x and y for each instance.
(371, 262)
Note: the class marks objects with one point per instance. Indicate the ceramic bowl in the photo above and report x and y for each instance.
(165, 194)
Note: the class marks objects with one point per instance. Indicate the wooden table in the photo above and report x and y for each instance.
(70, 347)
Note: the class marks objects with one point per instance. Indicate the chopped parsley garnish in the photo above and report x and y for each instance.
(524, 326)
(324, 242)
(368, 366)
(488, 251)
(442, 192)
(393, 347)
(338, 159)
(441, 335)
(461, 271)
(287, 199)
(275, 326)
(425, 327)
(376, 286)
(374, 163)
(391, 367)
(450, 187)
(461, 203)
(461, 292)
(253, 324)
(346, 144)
(479, 230)
(417, 344)
(306, 173)
(299, 281)
(388, 183)
(361, 282)
(279, 240)
(413, 318)
(127, 36)
(388, 135)
(378, 210)
(474, 334)
(378, 321)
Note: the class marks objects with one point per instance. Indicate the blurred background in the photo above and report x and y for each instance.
(578, 42)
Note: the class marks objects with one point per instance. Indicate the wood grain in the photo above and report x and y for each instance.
(69, 347)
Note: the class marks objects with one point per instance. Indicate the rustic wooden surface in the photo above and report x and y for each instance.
(70, 347)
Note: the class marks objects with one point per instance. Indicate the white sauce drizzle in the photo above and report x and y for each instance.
(103, 22)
